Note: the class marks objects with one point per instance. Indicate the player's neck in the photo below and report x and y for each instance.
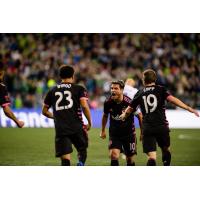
(120, 99)
(151, 84)
(67, 80)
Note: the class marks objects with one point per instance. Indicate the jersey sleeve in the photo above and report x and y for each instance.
(106, 108)
(134, 104)
(83, 93)
(166, 93)
(4, 97)
(48, 99)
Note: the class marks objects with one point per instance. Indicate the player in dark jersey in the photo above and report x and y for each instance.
(122, 136)
(68, 100)
(151, 100)
(5, 100)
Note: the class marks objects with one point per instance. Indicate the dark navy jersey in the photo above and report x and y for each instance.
(65, 98)
(4, 98)
(151, 100)
(117, 127)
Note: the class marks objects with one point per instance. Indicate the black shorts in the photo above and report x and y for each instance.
(63, 144)
(152, 136)
(127, 145)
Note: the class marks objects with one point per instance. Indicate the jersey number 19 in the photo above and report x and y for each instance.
(150, 103)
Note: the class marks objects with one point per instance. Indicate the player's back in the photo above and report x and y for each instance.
(151, 100)
(65, 101)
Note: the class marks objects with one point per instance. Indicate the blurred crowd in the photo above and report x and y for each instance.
(32, 62)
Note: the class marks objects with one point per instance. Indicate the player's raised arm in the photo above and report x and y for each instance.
(8, 112)
(46, 112)
(180, 104)
(103, 126)
(86, 111)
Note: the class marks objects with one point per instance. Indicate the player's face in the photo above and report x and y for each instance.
(116, 92)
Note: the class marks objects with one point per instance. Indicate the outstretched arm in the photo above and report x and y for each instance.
(8, 112)
(180, 104)
(126, 113)
(45, 112)
(86, 111)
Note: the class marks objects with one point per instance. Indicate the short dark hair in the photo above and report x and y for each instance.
(119, 82)
(149, 76)
(66, 71)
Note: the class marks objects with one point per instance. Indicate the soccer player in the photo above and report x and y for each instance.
(151, 100)
(67, 99)
(5, 100)
(122, 136)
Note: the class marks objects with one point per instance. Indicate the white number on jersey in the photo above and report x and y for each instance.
(68, 96)
(150, 101)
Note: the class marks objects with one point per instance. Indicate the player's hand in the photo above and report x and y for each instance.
(88, 127)
(103, 135)
(196, 113)
(20, 124)
(122, 116)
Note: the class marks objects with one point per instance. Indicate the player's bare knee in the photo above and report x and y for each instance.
(151, 155)
(114, 155)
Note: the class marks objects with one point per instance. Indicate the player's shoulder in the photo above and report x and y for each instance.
(108, 100)
(78, 86)
(160, 87)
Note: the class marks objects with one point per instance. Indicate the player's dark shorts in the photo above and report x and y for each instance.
(152, 136)
(63, 144)
(127, 144)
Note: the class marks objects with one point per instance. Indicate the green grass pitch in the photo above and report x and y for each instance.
(35, 147)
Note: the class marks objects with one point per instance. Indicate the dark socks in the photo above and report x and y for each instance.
(151, 162)
(65, 162)
(166, 158)
(130, 164)
(114, 163)
(82, 156)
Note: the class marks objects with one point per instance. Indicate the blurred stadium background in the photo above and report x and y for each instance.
(32, 62)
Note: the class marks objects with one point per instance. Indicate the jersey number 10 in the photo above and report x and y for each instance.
(68, 96)
(150, 101)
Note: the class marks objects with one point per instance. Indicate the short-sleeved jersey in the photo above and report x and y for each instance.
(151, 100)
(4, 97)
(117, 127)
(65, 98)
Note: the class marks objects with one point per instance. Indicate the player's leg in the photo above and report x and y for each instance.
(63, 150)
(80, 142)
(65, 159)
(166, 156)
(151, 158)
(149, 147)
(164, 143)
(114, 151)
(114, 156)
(129, 146)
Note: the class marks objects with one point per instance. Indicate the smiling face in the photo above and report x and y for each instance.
(116, 92)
